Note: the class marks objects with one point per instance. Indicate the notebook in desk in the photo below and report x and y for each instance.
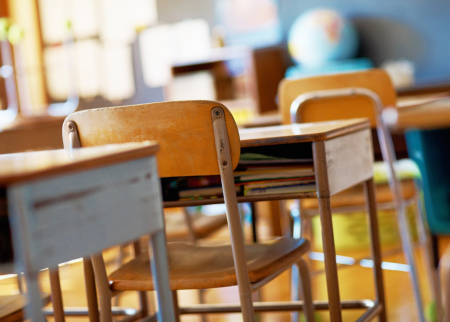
(256, 174)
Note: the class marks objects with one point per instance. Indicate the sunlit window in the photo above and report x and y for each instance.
(89, 41)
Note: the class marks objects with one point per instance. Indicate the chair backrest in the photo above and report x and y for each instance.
(354, 106)
(183, 130)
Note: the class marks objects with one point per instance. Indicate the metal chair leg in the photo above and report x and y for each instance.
(304, 288)
(425, 239)
(57, 302)
(295, 291)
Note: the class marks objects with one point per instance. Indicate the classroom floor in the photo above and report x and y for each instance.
(356, 282)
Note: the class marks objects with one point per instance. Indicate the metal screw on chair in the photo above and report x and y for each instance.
(217, 112)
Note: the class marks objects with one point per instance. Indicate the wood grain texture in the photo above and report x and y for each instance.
(27, 166)
(68, 217)
(194, 267)
(375, 80)
(349, 161)
(183, 130)
(296, 133)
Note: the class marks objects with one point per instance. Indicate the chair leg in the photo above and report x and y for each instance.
(409, 254)
(444, 272)
(295, 291)
(55, 286)
(192, 236)
(254, 218)
(304, 289)
(432, 273)
(234, 223)
(143, 298)
(176, 308)
(201, 299)
(104, 293)
(91, 293)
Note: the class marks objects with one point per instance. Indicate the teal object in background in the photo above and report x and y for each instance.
(430, 149)
(329, 67)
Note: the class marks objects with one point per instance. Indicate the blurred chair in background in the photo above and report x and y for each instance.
(353, 95)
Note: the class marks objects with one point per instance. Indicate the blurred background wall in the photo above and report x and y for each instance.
(428, 19)
(421, 27)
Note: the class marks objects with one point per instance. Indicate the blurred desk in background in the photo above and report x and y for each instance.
(427, 131)
(33, 133)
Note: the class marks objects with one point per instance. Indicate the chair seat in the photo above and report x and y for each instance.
(177, 229)
(355, 196)
(202, 267)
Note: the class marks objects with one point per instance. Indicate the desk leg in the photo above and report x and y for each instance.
(19, 207)
(330, 260)
(33, 309)
(160, 271)
(369, 191)
(323, 191)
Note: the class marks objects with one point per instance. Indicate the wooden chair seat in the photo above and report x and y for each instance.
(196, 267)
(355, 196)
(177, 229)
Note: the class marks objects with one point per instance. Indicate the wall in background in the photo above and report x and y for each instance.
(429, 20)
(170, 11)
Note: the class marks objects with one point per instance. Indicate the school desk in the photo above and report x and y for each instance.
(64, 206)
(343, 157)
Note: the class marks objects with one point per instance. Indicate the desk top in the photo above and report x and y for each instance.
(296, 133)
(431, 115)
(21, 167)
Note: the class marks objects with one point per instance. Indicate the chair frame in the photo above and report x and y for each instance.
(388, 153)
(246, 288)
(247, 307)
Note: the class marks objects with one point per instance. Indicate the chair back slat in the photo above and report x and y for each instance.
(183, 129)
(355, 106)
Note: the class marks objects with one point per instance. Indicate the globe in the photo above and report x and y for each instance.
(321, 35)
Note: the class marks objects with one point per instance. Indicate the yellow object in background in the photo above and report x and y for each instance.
(351, 230)
(243, 115)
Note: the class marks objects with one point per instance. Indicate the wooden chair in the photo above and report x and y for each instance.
(196, 138)
(355, 95)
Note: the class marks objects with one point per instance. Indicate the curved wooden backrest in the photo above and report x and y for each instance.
(330, 109)
(183, 129)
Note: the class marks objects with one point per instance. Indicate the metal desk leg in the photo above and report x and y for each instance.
(369, 191)
(160, 271)
(323, 191)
